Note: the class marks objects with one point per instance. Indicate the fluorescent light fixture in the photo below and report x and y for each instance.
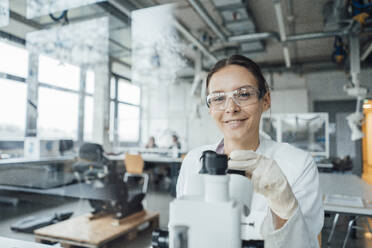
(283, 36)
(37, 8)
(82, 44)
(4, 13)
(287, 58)
(280, 20)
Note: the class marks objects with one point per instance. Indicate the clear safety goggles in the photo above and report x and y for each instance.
(242, 97)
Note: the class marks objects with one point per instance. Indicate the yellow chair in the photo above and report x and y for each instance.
(320, 239)
(134, 165)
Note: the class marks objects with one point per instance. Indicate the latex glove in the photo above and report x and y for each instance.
(268, 180)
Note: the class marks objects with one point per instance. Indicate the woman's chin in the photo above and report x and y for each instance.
(235, 135)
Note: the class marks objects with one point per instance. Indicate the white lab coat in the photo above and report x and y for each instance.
(302, 229)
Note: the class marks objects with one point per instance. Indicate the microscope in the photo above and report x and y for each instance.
(210, 212)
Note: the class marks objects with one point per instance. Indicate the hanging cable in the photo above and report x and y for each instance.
(63, 16)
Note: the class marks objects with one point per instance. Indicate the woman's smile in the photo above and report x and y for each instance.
(235, 122)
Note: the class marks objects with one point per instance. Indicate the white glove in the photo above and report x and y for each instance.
(268, 180)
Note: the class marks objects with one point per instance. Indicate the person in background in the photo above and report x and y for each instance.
(151, 143)
(175, 142)
(287, 209)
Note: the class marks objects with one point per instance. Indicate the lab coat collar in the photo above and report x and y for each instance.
(218, 147)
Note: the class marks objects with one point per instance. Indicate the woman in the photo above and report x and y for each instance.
(287, 208)
(151, 143)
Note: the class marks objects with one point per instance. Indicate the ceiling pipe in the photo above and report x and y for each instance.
(194, 40)
(254, 37)
(366, 52)
(293, 38)
(320, 35)
(205, 16)
(283, 37)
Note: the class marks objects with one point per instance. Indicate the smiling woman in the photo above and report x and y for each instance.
(286, 207)
(238, 115)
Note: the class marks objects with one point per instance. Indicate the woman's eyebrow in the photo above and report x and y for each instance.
(217, 91)
(241, 87)
(245, 86)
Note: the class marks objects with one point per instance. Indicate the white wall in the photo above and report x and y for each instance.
(328, 86)
(289, 93)
(289, 101)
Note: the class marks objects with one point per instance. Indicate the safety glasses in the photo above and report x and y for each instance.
(242, 97)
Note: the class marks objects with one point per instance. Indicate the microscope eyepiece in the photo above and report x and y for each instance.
(214, 163)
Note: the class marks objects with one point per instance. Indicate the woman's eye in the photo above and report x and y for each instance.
(245, 94)
(218, 99)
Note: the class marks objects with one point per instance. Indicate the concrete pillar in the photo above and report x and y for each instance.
(32, 95)
(101, 106)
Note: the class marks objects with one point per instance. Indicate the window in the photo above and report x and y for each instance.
(128, 123)
(58, 114)
(89, 82)
(112, 122)
(112, 88)
(14, 60)
(13, 97)
(128, 112)
(59, 74)
(129, 93)
(88, 119)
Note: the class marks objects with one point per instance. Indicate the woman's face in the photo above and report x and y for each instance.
(237, 122)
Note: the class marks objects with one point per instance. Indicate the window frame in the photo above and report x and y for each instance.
(116, 141)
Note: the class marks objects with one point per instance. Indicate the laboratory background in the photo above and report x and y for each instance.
(100, 101)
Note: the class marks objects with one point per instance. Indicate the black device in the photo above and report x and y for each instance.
(31, 223)
(65, 145)
(94, 169)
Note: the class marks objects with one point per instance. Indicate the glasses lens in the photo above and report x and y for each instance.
(216, 99)
(241, 97)
(245, 96)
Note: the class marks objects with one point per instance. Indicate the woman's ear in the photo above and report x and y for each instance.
(267, 101)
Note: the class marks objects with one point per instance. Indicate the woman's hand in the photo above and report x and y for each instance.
(268, 180)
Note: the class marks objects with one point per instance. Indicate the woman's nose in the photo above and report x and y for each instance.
(231, 105)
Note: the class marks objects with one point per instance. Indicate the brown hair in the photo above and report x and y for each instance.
(245, 62)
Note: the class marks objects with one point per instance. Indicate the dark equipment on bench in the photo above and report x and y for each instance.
(31, 223)
(95, 169)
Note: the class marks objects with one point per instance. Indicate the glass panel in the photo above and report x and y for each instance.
(13, 97)
(156, 47)
(305, 131)
(88, 119)
(82, 44)
(4, 13)
(270, 127)
(44, 7)
(129, 93)
(128, 123)
(13, 60)
(112, 121)
(89, 82)
(112, 88)
(54, 72)
(58, 114)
